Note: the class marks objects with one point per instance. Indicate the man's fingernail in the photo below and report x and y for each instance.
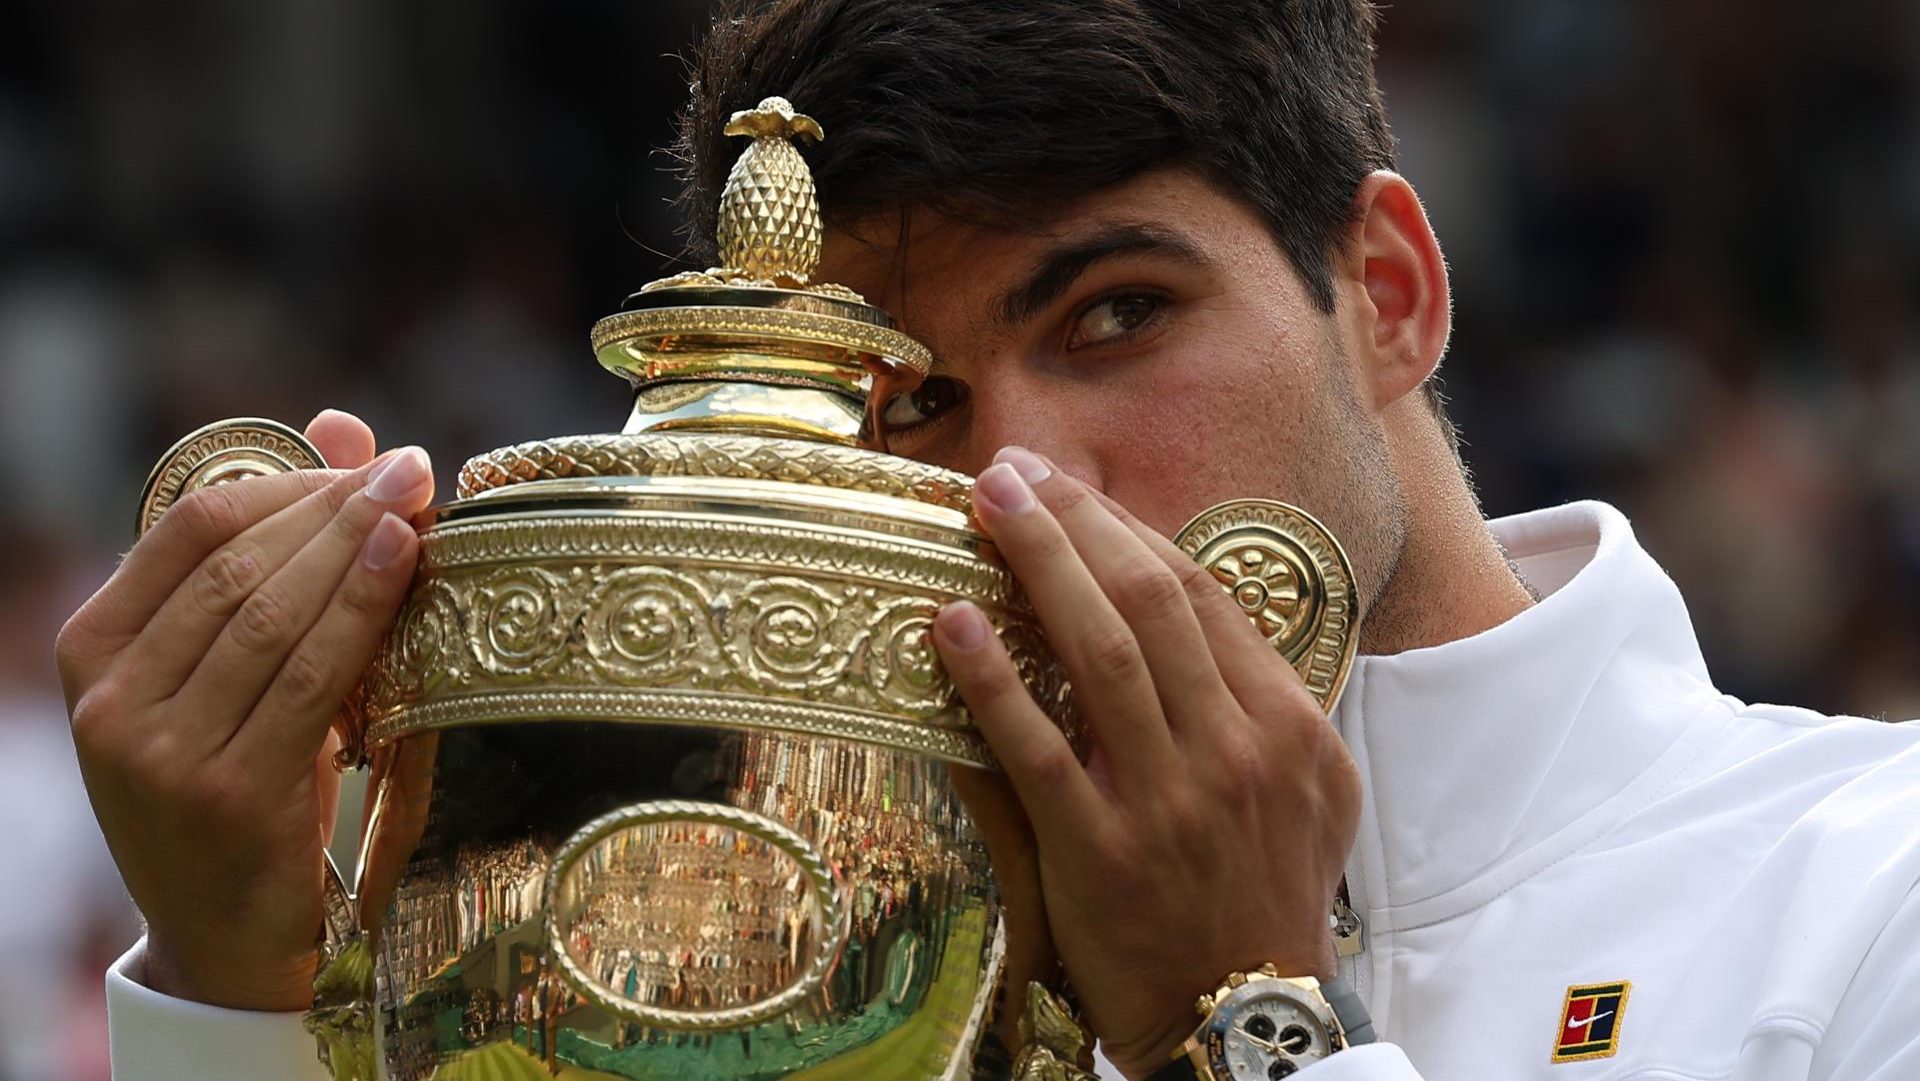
(1031, 467)
(383, 545)
(399, 476)
(965, 625)
(1004, 490)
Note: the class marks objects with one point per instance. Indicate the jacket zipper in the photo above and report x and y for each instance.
(1349, 932)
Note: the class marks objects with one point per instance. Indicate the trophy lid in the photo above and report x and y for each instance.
(755, 346)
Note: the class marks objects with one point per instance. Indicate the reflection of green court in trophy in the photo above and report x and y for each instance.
(898, 1009)
(895, 1039)
(476, 927)
(906, 1029)
(510, 1062)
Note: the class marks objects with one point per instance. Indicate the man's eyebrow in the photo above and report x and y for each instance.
(1059, 268)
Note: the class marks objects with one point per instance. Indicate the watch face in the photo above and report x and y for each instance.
(1263, 1034)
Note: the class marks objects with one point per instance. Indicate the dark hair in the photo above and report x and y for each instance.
(1002, 109)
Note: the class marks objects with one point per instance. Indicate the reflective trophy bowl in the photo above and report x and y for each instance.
(660, 770)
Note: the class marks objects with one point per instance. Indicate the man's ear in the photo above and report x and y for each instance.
(1402, 310)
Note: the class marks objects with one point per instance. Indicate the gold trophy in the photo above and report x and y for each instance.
(660, 749)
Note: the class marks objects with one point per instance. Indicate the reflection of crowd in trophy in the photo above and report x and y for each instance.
(497, 888)
(878, 818)
(415, 940)
(439, 916)
(884, 824)
(689, 915)
(450, 912)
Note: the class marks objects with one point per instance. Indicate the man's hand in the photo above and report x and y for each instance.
(202, 680)
(1208, 830)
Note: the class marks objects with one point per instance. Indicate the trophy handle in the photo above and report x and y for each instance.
(341, 1018)
(1054, 1046)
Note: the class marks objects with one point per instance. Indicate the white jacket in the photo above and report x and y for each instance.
(1564, 801)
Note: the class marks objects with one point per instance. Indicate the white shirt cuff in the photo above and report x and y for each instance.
(158, 1038)
(1368, 1062)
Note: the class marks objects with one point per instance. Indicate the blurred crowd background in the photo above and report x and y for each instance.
(1684, 237)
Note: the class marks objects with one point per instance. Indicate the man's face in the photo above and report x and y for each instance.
(1152, 341)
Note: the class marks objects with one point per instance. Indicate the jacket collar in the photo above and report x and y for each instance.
(1487, 758)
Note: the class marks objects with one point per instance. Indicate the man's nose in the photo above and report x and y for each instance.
(1025, 413)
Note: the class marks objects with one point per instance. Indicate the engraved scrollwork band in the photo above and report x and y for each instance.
(682, 620)
(666, 538)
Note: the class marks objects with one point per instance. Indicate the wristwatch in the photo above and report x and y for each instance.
(1262, 1026)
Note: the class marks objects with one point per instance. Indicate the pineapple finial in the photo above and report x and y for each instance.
(774, 118)
(769, 215)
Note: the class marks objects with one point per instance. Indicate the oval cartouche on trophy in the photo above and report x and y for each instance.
(769, 918)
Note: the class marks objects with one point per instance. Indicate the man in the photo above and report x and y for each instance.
(1160, 253)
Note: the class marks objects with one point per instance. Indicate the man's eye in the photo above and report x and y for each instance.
(1115, 319)
(935, 396)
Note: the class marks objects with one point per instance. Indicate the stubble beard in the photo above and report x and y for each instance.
(1366, 492)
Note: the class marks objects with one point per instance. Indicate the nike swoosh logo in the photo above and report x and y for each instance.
(1589, 1021)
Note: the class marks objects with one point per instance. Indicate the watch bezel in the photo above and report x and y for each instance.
(1300, 991)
